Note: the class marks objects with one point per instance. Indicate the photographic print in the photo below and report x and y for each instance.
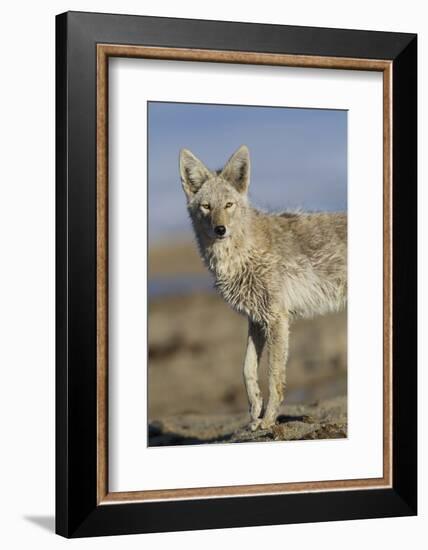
(185, 378)
(247, 273)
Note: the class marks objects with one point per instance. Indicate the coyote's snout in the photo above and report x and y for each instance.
(270, 267)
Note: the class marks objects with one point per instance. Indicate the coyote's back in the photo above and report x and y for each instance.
(312, 250)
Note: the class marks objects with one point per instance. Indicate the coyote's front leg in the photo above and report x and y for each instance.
(277, 341)
(255, 344)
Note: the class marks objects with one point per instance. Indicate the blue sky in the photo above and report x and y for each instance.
(298, 157)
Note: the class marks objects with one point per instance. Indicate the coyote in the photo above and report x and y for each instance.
(270, 267)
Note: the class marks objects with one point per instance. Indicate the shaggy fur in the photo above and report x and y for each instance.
(270, 267)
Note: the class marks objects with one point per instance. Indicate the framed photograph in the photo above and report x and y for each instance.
(236, 274)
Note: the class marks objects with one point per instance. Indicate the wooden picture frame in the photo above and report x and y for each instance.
(84, 44)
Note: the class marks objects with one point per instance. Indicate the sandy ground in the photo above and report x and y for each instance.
(318, 420)
(196, 349)
(179, 257)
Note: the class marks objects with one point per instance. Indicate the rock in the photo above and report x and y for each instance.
(323, 420)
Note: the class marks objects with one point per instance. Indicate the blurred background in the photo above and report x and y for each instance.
(196, 342)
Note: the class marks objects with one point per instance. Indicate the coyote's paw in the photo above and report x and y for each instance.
(254, 424)
(267, 423)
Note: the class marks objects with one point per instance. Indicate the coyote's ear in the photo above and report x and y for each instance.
(193, 172)
(237, 169)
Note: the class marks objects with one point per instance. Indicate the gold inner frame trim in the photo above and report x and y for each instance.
(104, 51)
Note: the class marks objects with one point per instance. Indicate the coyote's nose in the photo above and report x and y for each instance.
(220, 230)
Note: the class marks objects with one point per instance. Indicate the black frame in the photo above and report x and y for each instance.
(77, 513)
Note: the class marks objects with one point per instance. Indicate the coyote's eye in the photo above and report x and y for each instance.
(205, 206)
(229, 205)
